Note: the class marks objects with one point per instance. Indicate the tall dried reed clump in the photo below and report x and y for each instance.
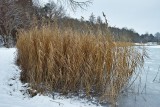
(53, 60)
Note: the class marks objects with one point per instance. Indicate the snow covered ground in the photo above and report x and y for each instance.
(11, 89)
(144, 93)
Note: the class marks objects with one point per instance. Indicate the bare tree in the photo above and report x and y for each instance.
(92, 18)
(99, 20)
(52, 10)
(11, 19)
(74, 4)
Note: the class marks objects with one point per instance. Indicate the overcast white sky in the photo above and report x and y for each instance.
(141, 15)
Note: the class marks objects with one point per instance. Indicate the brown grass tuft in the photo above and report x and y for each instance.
(69, 62)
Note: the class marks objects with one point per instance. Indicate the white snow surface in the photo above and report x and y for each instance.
(11, 89)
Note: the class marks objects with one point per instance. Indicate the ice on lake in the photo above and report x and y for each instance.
(145, 92)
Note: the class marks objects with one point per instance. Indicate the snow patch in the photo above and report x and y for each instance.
(12, 90)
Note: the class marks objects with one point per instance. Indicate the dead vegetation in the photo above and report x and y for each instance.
(75, 63)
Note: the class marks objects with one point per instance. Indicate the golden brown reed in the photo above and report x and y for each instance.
(66, 61)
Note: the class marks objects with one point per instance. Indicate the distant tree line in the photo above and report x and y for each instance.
(96, 24)
(24, 14)
(126, 34)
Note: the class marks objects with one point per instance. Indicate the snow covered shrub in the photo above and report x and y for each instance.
(68, 62)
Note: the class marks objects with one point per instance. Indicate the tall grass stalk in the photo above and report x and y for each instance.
(66, 61)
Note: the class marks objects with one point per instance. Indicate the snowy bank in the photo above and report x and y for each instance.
(11, 89)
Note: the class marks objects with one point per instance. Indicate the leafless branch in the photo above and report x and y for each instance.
(77, 4)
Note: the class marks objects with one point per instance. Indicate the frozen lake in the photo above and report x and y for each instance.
(145, 92)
